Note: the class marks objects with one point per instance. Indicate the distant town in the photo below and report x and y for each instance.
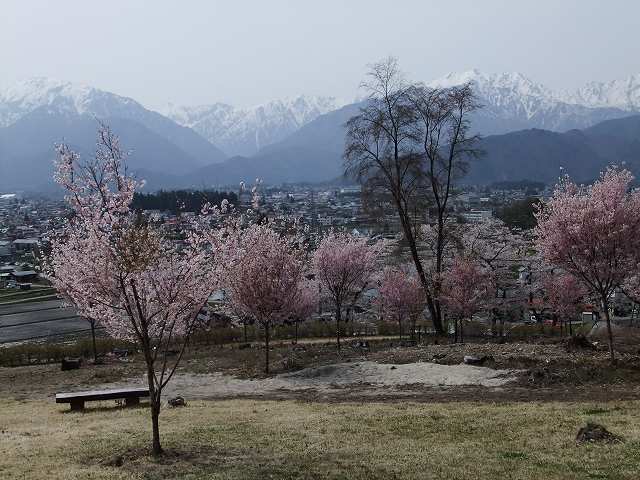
(26, 220)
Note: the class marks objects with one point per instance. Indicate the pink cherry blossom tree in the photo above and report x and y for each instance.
(467, 288)
(265, 278)
(119, 270)
(593, 233)
(500, 250)
(305, 305)
(401, 296)
(345, 266)
(565, 295)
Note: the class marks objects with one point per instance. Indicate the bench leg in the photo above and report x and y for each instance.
(77, 405)
(131, 401)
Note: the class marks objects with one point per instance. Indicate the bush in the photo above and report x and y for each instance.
(38, 353)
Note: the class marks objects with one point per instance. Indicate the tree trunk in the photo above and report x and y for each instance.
(266, 350)
(436, 319)
(455, 330)
(541, 322)
(154, 396)
(570, 328)
(155, 415)
(296, 341)
(439, 263)
(400, 328)
(338, 315)
(93, 337)
(244, 325)
(461, 330)
(605, 306)
(432, 304)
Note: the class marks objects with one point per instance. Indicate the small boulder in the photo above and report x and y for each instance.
(177, 402)
(594, 433)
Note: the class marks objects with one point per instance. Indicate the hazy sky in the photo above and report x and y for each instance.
(247, 52)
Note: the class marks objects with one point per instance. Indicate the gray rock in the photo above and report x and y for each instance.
(177, 402)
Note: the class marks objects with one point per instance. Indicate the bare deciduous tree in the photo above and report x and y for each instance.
(411, 143)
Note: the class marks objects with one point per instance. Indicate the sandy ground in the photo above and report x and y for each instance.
(331, 378)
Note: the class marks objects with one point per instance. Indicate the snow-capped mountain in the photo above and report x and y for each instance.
(72, 99)
(24, 97)
(509, 84)
(296, 139)
(244, 131)
(512, 101)
(623, 94)
(513, 93)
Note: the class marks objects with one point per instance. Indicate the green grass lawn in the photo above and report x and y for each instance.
(245, 439)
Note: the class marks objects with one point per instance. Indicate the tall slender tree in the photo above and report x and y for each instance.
(412, 142)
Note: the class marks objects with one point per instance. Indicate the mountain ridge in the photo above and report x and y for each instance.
(310, 149)
(68, 98)
(244, 131)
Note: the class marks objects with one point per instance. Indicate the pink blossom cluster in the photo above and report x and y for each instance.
(266, 276)
(565, 295)
(467, 288)
(593, 232)
(125, 275)
(401, 294)
(345, 265)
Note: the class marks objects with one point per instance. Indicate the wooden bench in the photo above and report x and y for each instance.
(131, 397)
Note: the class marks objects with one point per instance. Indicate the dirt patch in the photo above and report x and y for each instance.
(329, 379)
(403, 374)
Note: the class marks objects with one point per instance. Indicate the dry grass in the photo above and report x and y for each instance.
(244, 439)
